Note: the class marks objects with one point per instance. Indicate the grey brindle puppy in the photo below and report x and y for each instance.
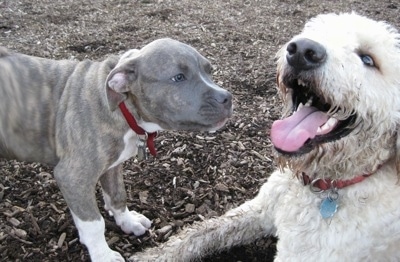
(65, 114)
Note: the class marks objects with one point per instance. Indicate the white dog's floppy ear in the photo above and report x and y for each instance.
(119, 80)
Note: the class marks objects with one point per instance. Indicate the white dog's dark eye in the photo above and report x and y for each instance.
(367, 60)
(179, 78)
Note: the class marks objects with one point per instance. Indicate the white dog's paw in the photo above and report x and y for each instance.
(170, 251)
(132, 222)
(106, 255)
(140, 257)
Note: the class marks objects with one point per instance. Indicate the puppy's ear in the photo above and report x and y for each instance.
(119, 81)
(116, 88)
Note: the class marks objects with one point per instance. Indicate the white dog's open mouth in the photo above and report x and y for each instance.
(314, 121)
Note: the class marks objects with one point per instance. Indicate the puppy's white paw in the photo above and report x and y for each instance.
(91, 234)
(132, 222)
(129, 221)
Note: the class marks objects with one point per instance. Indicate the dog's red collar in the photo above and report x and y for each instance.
(137, 129)
(326, 184)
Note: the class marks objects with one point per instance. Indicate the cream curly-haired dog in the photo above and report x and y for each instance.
(336, 196)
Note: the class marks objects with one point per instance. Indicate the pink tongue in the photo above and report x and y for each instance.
(291, 133)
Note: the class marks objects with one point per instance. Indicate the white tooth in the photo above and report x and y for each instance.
(309, 102)
(328, 126)
(299, 106)
(332, 121)
(301, 82)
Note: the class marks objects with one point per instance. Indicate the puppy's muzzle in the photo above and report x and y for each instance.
(305, 54)
(224, 99)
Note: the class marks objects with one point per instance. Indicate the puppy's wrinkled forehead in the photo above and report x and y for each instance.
(167, 53)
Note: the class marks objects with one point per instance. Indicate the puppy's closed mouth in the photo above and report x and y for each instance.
(313, 120)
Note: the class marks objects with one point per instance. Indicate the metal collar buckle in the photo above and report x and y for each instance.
(331, 185)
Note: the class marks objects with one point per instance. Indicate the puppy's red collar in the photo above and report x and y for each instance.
(137, 129)
(326, 184)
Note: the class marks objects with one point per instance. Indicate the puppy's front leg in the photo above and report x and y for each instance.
(78, 188)
(115, 202)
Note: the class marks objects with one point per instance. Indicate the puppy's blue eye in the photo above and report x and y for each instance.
(179, 78)
(367, 60)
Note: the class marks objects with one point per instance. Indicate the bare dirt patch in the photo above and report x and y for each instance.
(196, 175)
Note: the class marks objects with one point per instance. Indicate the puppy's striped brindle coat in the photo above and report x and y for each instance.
(65, 114)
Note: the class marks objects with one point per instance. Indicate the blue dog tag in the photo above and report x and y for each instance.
(328, 207)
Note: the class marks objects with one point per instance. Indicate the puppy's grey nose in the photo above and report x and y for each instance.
(305, 54)
(224, 98)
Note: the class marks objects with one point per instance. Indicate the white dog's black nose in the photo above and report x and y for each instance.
(305, 54)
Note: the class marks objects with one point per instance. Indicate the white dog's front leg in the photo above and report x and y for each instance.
(129, 221)
(242, 225)
(91, 234)
(238, 226)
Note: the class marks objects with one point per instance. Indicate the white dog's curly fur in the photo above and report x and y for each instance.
(346, 70)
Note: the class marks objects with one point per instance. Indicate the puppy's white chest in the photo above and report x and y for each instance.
(130, 148)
